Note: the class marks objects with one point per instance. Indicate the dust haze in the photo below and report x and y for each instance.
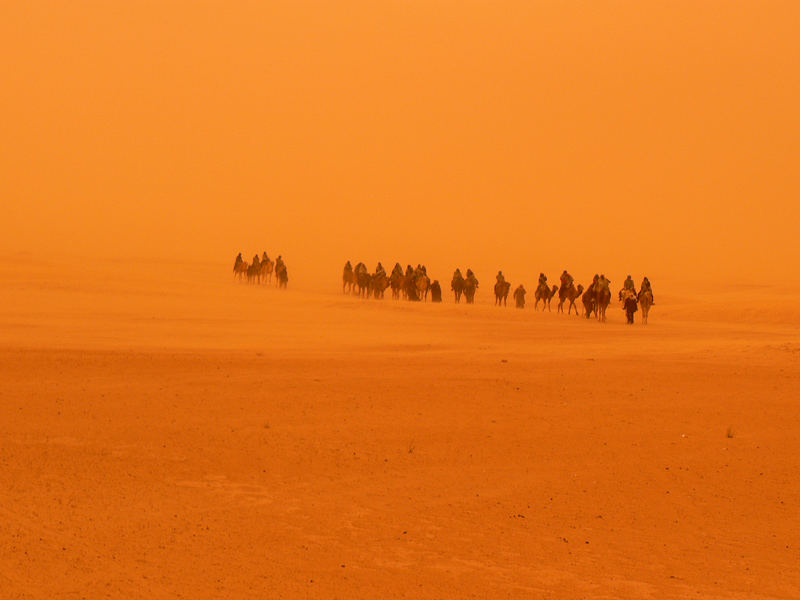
(537, 136)
(170, 431)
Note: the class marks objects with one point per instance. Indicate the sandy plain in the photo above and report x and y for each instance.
(167, 433)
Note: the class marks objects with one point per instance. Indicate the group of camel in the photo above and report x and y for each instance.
(414, 284)
(261, 269)
(595, 299)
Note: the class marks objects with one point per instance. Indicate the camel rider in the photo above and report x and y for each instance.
(256, 262)
(566, 280)
(646, 287)
(279, 263)
(602, 283)
(595, 281)
(239, 260)
(500, 278)
(457, 274)
(380, 269)
(542, 280)
(348, 267)
(471, 277)
(264, 257)
(629, 285)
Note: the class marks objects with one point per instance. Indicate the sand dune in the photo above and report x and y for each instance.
(170, 433)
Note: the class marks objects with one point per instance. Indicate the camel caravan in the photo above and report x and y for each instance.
(261, 270)
(414, 284)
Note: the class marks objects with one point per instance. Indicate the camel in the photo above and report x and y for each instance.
(267, 268)
(361, 279)
(348, 278)
(571, 294)
(282, 275)
(470, 287)
(396, 281)
(545, 294)
(563, 296)
(550, 297)
(240, 269)
(457, 285)
(589, 299)
(603, 298)
(378, 284)
(645, 301)
(422, 283)
(254, 273)
(501, 289)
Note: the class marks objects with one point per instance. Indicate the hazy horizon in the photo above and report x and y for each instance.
(523, 137)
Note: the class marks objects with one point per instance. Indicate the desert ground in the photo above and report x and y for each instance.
(169, 433)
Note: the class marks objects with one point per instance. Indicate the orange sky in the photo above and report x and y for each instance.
(599, 136)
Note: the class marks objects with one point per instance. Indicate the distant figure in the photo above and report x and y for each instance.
(264, 257)
(457, 285)
(629, 303)
(566, 280)
(470, 286)
(282, 275)
(278, 262)
(628, 284)
(436, 291)
(239, 267)
(500, 277)
(542, 279)
(519, 296)
(379, 269)
(348, 278)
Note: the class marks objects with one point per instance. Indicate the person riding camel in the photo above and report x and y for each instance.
(239, 260)
(646, 287)
(500, 277)
(279, 264)
(264, 257)
(457, 274)
(542, 279)
(629, 285)
(595, 281)
(471, 277)
(256, 262)
(566, 280)
(602, 283)
(380, 269)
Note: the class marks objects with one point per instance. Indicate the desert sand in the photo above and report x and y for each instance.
(168, 433)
